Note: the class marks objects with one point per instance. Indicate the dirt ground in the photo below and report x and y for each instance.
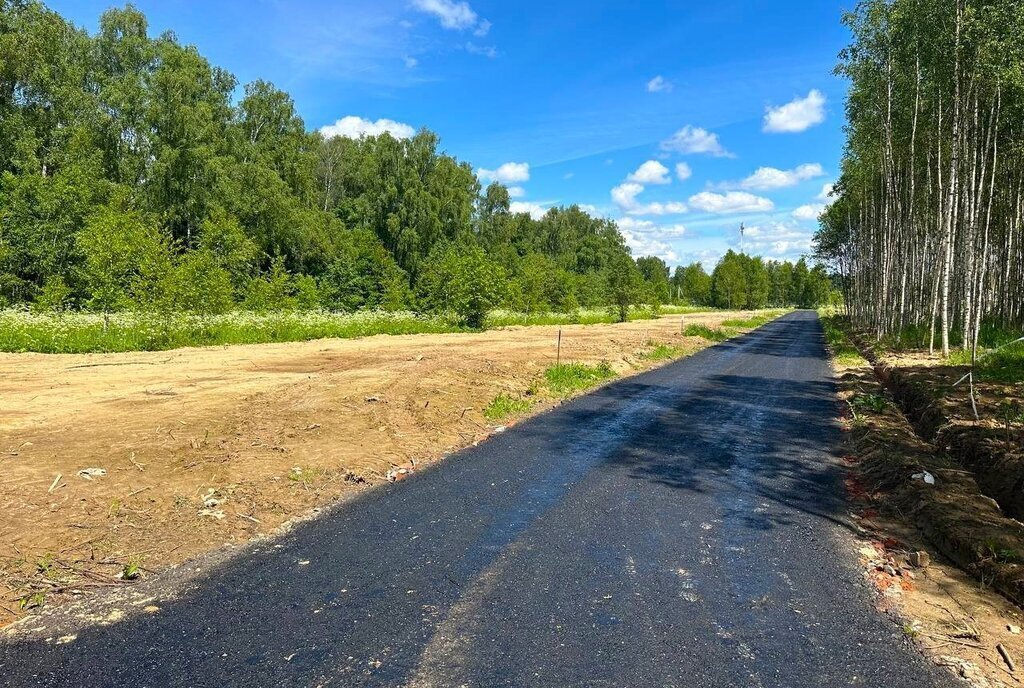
(956, 621)
(953, 391)
(206, 446)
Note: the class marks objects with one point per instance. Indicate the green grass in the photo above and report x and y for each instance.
(662, 352)
(75, 332)
(566, 378)
(869, 402)
(584, 316)
(503, 406)
(843, 350)
(1005, 366)
(714, 334)
(85, 332)
(753, 321)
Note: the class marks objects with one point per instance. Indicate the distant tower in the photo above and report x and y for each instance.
(741, 237)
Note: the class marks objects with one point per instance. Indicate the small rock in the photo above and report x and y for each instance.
(888, 568)
(212, 513)
(920, 559)
(90, 473)
(371, 400)
(1013, 629)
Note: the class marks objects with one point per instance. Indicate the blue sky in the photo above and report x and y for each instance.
(595, 103)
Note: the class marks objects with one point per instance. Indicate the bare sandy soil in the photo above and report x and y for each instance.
(207, 446)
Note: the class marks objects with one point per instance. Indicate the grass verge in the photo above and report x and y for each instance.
(74, 332)
(714, 334)
(566, 378)
(503, 406)
(662, 352)
(843, 350)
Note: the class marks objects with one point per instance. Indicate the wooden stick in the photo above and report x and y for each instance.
(1006, 657)
(53, 485)
(136, 463)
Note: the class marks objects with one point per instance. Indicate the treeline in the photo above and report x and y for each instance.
(742, 281)
(130, 178)
(926, 228)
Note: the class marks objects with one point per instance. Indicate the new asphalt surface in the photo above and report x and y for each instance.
(683, 527)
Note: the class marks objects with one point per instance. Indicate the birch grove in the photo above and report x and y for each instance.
(925, 225)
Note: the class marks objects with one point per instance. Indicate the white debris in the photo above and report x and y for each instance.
(924, 476)
(90, 473)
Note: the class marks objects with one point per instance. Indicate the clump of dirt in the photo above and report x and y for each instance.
(206, 446)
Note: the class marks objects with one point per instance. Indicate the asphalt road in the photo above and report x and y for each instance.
(683, 527)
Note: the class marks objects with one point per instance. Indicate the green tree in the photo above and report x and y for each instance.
(125, 257)
(693, 284)
(462, 280)
(729, 282)
(624, 284)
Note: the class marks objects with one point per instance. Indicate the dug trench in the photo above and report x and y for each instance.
(993, 455)
(913, 497)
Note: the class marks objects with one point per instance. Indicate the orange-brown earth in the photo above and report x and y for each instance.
(207, 446)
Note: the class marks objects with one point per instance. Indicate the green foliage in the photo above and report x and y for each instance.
(125, 257)
(869, 402)
(625, 284)
(54, 296)
(753, 321)
(462, 280)
(692, 285)
(565, 378)
(132, 178)
(662, 352)
(843, 350)
(713, 334)
(503, 406)
(71, 332)
(196, 283)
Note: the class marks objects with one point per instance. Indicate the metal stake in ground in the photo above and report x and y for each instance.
(558, 354)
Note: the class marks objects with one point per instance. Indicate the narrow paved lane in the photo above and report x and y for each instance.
(683, 527)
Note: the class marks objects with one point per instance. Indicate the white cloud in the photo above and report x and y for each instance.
(642, 243)
(624, 195)
(452, 15)
(651, 172)
(731, 202)
(693, 140)
(650, 228)
(516, 192)
(534, 210)
(482, 28)
(658, 84)
(411, 62)
(353, 127)
(811, 211)
(798, 115)
(826, 194)
(670, 208)
(774, 178)
(485, 50)
(509, 173)
(777, 240)
(683, 171)
(568, 175)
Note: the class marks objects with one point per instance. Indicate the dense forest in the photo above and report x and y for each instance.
(135, 175)
(926, 228)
